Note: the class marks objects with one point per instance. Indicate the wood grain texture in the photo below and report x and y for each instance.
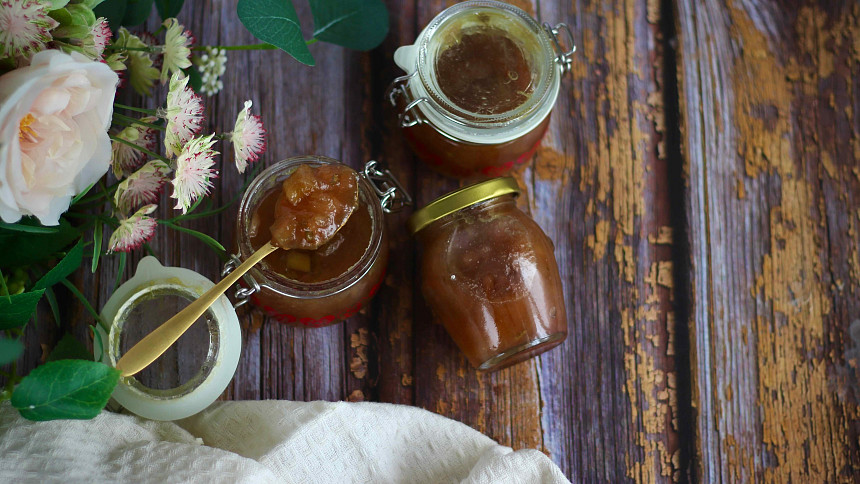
(769, 93)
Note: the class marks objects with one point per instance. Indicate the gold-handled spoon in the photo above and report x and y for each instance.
(157, 342)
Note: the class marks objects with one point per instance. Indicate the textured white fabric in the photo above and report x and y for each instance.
(262, 442)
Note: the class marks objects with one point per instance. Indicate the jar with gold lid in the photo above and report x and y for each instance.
(489, 274)
(327, 285)
(482, 80)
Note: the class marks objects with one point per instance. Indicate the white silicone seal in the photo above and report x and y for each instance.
(223, 356)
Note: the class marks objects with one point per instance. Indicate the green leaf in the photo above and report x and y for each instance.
(97, 245)
(10, 350)
(275, 22)
(66, 266)
(31, 229)
(194, 77)
(52, 301)
(69, 348)
(212, 243)
(168, 8)
(136, 12)
(76, 20)
(76, 389)
(20, 249)
(77, 293)
(120, 272)
(16, 310)
(113, 11)
(56, 4)
(355, 24)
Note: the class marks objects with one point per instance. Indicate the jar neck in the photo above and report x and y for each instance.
(487, 207)
(270, 180)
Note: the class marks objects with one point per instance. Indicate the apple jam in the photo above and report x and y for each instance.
(483, 79)
(312, 287)
(489, 274)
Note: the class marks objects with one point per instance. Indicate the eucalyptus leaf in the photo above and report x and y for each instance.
(354, 24)
(113, 11)
(16, 310)
(19, 249)
(275, 22)
(10, 350)
(65, 389)
(69, 348)
(168, 8)
(64, 268)
(136, 12)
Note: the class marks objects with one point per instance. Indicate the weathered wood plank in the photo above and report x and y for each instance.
(768, 99)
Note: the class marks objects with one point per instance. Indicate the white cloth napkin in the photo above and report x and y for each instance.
(262, 442)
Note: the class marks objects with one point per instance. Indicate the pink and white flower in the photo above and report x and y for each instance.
(24, 27)
(194, 172)
(124, 158)
(184, 114)
(176, 49)
(54, 116)
(248, 137)
(133, 231)
(100, 36)
(142, 187)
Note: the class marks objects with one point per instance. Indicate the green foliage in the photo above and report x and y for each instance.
(136, 12)
(275, 22)
(64, 268)
(16, 310)
(69, 348)
(114, 12)
(19, 249)
(195, 80)
(10, 350)
(168, 8)
(65, 389)
(354, 24)
(76, 20)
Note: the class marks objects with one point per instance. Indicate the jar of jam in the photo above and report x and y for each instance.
(489, 274)
(483, 79)
(323, 286)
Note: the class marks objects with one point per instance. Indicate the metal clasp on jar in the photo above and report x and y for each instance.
(564, 56)
(399, 87)
(243, 293)
(392, 195)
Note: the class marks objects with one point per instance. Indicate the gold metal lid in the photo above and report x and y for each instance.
(460, 199)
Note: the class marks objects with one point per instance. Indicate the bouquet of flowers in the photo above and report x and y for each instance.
(77, 167)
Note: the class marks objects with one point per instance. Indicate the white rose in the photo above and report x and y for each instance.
(54, 116)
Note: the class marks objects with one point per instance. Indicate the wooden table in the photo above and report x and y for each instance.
(700, 180)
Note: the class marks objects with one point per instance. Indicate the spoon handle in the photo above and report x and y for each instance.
(157, 342)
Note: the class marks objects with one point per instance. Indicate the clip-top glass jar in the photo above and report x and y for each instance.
(490, 275)
(349, 269)
(483, 79)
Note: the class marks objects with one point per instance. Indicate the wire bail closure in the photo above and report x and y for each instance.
(564, 56)
(398, 88)
(243, 293)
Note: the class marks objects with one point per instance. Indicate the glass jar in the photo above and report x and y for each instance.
(340, 295)
(489, 274)
(487, 129)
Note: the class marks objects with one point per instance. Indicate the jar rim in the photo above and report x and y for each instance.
(447, 108)
(460, 199)
(291, 287)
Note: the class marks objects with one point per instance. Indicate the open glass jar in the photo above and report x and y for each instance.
(351, 265)
(489, 274)
(483, 79)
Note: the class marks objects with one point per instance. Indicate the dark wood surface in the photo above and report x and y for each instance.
(700, 180)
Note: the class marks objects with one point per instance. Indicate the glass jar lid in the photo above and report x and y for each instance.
(460, 199)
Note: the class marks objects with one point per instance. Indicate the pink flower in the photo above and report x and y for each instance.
(194, 172)
(184, 114)
(133, 231)
(126, 159)
(248, 137)
(54, 117)
(142, 187)
(24, 27)
(101, 36)
(176, 49)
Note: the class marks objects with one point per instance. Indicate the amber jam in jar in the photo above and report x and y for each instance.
(483, 79)
(313, 287)
(489, 274)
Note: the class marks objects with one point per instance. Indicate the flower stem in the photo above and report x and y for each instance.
(139, 49)
(237, 47)
(132, 120)
(132, 108)
(138, 148)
